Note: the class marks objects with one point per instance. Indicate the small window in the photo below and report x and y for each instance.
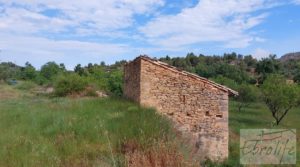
(183, 98)
(219, 116)
(170, 113)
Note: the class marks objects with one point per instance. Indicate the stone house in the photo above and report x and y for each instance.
(197, 106)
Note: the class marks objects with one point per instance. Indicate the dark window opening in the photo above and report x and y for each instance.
(219, 116)
(183, 98)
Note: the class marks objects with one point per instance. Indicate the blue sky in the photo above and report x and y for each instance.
(77, 31)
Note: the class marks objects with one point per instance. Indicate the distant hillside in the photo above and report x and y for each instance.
(290, 56)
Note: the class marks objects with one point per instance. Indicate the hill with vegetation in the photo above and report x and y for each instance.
(70, 125)
(290, 56)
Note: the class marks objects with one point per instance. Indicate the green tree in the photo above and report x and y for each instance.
(102, 63)
(119, 64)
(230, 57)
(90, 68)
(9, 70)
(250, 61)
(28, 72)
(267, 66)
(232, 72)
(280, 96)
(79, 70)
(166, 59)
(62, 67)
(180, 63)
(192, 59)
(225, 81)
(50, 70)
(206, 71)
(247, 95)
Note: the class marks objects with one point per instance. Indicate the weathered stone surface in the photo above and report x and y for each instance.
(132, 80)
(197, 106)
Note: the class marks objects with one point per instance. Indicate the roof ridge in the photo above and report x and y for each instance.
(145, 57)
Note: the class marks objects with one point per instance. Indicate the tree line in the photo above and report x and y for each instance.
(103, 77)
(273, 81)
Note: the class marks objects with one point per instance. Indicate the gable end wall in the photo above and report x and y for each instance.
(132, 75)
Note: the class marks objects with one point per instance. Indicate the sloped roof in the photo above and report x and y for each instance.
(188, 74)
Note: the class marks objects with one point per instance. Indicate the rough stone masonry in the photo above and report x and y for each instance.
(197, 106)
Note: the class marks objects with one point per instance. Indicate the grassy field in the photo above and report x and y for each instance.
(40, 131)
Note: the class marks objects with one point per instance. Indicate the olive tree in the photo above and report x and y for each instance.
(280, 96)
(247, 94)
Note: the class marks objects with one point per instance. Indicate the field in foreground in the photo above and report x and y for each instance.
(42, 131)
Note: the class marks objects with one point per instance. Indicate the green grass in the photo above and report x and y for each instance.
(26, 85)
(74, 132)
(41, 131)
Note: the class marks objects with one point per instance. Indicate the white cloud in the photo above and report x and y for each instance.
(261, 53)
(27, 33)
(41, 50)
(297, 2)
(96, 16)
(28, 29)
(210, 20)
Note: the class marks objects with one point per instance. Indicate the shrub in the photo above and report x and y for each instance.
(90, 91)
(26, 85)
(115, 82)
(69, 83)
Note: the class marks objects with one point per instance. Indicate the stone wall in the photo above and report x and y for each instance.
(132, 78)
(197, 108)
